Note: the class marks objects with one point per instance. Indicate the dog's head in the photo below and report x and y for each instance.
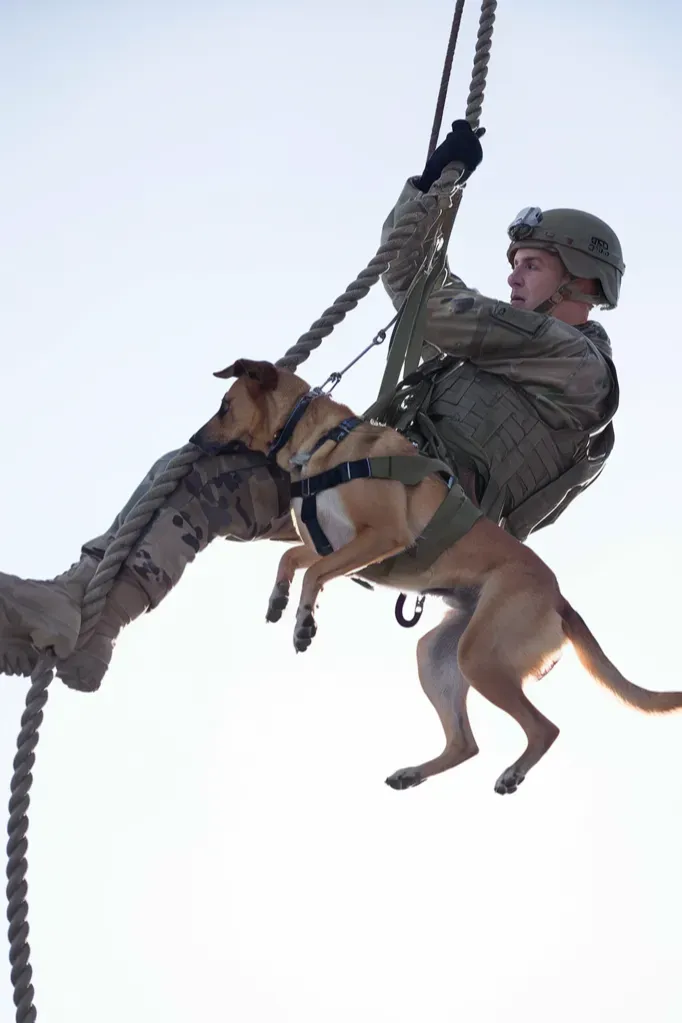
(252, 410)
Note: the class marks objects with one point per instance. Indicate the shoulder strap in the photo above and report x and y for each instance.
(406, 341)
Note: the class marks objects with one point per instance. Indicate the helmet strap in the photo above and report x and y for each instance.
(569, 292)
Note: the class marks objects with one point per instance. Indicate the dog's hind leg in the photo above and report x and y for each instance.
(505, 643)
(446, 688)
(291, 561)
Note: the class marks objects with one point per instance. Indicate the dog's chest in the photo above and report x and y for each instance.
(332, 517)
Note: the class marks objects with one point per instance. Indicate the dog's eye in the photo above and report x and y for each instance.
(224, 408)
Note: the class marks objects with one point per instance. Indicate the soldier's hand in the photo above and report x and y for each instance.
(460, 145)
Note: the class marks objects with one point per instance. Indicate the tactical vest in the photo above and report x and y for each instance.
(519, 471)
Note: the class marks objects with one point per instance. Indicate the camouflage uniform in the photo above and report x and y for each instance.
(514, 397)
(238, 497)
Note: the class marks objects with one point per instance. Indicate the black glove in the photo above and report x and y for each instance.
(461, 145)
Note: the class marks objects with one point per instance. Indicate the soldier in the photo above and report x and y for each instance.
(518, 396)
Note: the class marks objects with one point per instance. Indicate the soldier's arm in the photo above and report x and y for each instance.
(554, 362)
(402, 271)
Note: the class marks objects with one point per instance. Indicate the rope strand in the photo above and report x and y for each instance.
(17, 829)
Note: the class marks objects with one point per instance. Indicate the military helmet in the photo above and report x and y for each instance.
(587, 246)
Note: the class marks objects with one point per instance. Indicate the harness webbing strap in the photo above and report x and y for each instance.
(311, 486)
(407, 469)
(295, 416)
(338, 433)
(453, 519)
(323, 481)
(406, 340)
(312, 524)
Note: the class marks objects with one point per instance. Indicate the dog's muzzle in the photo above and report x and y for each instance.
(213, 447)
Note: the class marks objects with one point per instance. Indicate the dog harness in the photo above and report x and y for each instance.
(309, 487)
(454, 517)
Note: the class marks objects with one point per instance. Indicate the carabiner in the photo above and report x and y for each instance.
(418, 610)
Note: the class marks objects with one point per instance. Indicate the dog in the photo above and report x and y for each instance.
(516, 621)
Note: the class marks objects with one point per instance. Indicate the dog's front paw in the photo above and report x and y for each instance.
(406, 778)
(279, 598)
(305, 628)
(509, 781)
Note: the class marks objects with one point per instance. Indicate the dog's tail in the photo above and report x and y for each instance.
(594, 660)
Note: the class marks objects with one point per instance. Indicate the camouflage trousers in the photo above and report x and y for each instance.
(238, 497)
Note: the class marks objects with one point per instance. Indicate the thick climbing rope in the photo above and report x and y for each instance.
(479, 73)
(93, 604)
(139, 517)
(407, 225)
(406, 343)
(445, 77)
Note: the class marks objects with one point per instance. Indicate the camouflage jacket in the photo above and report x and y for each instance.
(520, 402)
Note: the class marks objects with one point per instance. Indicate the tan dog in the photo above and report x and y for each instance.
(517, 621)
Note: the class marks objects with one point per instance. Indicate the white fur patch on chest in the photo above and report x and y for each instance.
(331, 515)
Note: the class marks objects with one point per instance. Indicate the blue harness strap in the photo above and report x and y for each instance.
(338, 433)
(406, 469)
(311, 486)
(287, 430)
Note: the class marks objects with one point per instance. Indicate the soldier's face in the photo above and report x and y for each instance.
(536, 276)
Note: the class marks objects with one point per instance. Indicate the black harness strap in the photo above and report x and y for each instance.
(338, 433)
(292, 422)
(310, 487)
(312, 524)
(408, 469)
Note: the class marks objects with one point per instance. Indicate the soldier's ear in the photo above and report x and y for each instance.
(263, 373)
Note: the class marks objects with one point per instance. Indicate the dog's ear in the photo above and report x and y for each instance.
(225, 374)
(264, 373)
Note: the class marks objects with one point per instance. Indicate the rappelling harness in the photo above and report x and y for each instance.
(454, 517)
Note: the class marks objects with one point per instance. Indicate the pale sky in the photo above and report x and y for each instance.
(210, 836)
